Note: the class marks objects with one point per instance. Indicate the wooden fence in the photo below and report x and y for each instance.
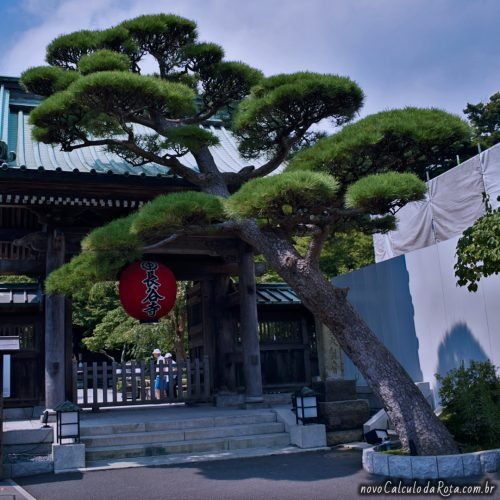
(133, 383)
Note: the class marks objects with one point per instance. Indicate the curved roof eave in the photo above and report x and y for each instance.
(15, 130)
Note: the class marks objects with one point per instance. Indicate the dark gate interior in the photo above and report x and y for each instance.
(285, 347)
(287, 337)
(26, 374)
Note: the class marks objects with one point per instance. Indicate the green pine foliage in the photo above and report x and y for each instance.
(119, 92)
(278, 101)
(471, 404)
(203, 55)
(47, 80)
(105, 251)
(65, 51)
(272, 199)
(115, 236)
(189, 138)
(103, 60)
(161, 35)
(226, 82)
(171, 212)
(79, 273)
(478, 249)
(409, 139)
(379, 194)
(96, 104)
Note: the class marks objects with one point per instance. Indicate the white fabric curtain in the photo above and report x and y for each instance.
(453, 202)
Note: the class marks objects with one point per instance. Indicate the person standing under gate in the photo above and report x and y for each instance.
(159, 358)
(171, 363)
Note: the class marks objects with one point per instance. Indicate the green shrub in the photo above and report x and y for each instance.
(471, 404)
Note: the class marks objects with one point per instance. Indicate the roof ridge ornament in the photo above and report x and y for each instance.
(5, 154)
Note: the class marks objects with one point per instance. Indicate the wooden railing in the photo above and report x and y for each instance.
(133, 383)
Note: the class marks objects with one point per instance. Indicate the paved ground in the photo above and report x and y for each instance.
(315, 475)
(332, 474)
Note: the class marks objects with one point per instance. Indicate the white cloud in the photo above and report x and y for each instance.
(414, 52)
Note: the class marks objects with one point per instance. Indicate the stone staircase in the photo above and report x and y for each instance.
(116, 442)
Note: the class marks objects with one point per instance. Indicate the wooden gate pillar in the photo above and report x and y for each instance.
(225, 325)
(55, 350)
(249, 326)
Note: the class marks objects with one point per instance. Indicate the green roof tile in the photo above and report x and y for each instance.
(31, 155)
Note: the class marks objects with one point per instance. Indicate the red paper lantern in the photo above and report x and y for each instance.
(147, 290)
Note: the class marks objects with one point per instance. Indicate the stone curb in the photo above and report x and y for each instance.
(430, 467)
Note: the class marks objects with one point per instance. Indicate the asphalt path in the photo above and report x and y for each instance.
(314, 475)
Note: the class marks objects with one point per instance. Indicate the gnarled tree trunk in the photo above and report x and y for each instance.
(413, 418)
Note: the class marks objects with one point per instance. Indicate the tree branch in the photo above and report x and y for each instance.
(173, 163)
(316, 246)
(223, 228)
(250, 172)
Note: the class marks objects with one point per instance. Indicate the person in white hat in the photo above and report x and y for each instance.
(159, 358)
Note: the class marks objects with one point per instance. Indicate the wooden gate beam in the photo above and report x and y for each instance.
(249, 326)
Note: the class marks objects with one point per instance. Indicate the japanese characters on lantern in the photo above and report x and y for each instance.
(147, 290)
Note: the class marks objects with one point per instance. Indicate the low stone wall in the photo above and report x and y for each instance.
(430, 467)
(27, 452)
(29, 467)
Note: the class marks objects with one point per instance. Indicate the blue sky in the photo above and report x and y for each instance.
(441, 53)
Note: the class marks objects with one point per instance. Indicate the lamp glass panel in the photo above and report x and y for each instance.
(70, 417)
(69, 430)
(310, 409)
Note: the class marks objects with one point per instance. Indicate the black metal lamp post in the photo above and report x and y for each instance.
(68, 422)
(306, 406)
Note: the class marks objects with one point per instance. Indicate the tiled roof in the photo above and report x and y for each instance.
(16, 132)
(276, 294)
(30, 293)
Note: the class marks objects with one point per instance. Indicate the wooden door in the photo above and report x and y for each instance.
(27, 364)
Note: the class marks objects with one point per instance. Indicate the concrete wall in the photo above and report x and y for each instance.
(430, 324)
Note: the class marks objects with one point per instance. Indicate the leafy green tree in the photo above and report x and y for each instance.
(96, 93)
(478, 249)
(91, 305)
(485, 119)
(471, 404)
(117, 331)
(107, 329)
(347, 252)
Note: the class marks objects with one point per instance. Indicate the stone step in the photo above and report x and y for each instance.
(188, 434)
(176, 425)
(271, 440)
(188, 458)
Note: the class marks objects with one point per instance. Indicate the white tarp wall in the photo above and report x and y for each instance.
(413, 304)
(412, 301)
(452, 204)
